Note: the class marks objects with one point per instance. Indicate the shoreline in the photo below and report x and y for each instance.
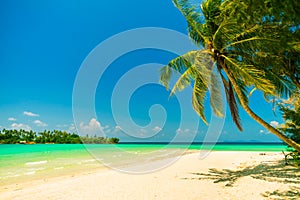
(220, 175)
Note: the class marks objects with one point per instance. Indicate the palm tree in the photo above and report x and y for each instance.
(241, 53)
(291, 114)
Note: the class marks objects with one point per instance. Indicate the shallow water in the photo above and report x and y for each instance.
(27, 162)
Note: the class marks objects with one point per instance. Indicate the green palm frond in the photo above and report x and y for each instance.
(165, 76)
(216, 98)
(211, 9)
(184, 80)
(250, 75)
(246, 32)
(223, 34)
(196, 31)
(296, 47)
(195, 68)
(199, 67)
(179, 65)
(248, 42)
(198, 98)
(195, 20)
(284, 87)
(234, 10)
(252, 91)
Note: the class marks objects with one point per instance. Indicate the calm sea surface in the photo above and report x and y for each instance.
(41, 160)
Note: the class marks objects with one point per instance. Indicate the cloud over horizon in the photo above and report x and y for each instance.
(30, 114)
(20, 126)
(93, 127)
(40, 123)
(157, 129)
(12, 119)
(261, 131)
(181, 131)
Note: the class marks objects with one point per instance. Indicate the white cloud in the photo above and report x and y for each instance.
(265, 131)
(117, 129)
(66, 127)
(261, 131)
(12, 119)
(93, 127)
(178, 131)
(157, 129)
(72, 127)
(40, 123)
(30, 114)
(274, 123)
(62, 125)
(142, 130)
(181, 131)
(20, 126)
(106, 127)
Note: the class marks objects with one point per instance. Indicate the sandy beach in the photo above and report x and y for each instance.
(221, 175)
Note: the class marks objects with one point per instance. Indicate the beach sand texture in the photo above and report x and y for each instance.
(221, 175)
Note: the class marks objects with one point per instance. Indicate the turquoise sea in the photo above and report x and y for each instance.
(27, 162)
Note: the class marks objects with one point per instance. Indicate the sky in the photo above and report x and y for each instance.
(45, 53)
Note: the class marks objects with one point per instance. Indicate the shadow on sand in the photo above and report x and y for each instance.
(275, 171)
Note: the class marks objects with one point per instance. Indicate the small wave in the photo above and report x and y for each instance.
(57, 168)
(89, 160)
(37, 169)
(36, 163)
(11, 175)
(29, 173)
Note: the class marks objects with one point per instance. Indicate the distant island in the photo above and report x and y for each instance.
(51, 137)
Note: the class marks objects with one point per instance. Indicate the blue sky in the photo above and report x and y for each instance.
(44, 44)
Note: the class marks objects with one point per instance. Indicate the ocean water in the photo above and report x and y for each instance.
(28, 162)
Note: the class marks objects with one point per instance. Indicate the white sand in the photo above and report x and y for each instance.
(240, 175)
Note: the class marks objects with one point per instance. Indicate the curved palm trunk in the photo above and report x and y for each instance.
(254, 116)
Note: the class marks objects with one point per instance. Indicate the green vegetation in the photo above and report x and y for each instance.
(291, 116)
(56, 136)
(245, 46)
(99, 140)
(291, 127)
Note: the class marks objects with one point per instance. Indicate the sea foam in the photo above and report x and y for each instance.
(36, 163)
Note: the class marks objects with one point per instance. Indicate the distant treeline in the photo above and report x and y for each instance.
(56, 136)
